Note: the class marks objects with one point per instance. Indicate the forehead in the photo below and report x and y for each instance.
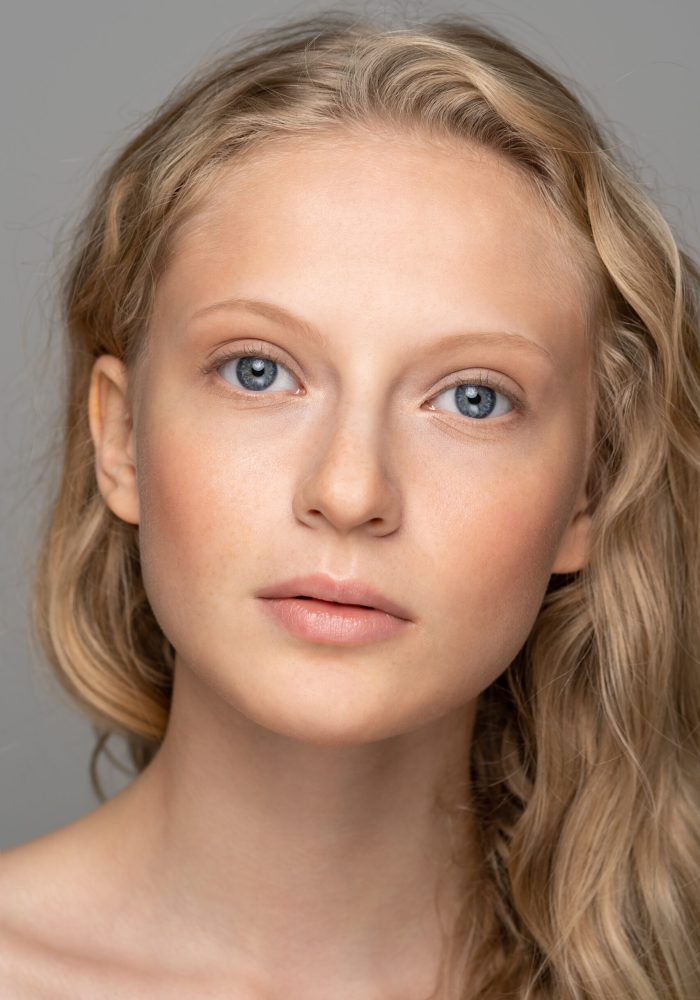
(378, 213)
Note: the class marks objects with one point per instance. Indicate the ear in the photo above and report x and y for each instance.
(572, 554)
(112, 434)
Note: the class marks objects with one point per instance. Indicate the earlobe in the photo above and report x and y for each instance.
(111, 429)
(572, 554)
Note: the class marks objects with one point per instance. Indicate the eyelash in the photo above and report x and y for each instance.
(258, 351)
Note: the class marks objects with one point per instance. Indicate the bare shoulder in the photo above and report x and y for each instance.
(57, 887)
(66, 933)
(29, 967)
(53, 916)
(42, 880)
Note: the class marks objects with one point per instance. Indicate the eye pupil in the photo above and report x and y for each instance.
(479, 399)
(252, 372)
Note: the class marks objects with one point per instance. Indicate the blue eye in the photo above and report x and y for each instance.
(479, 399)
(255, 369)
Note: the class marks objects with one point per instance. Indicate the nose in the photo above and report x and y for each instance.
(350, 480)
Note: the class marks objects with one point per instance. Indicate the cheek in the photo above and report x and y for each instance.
(200, 507)
(495, 541)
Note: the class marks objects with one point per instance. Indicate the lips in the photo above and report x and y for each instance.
(325, 588)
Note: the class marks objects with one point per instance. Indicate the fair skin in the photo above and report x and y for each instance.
(283, 837)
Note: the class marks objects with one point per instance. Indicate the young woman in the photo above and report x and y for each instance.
(377, 539)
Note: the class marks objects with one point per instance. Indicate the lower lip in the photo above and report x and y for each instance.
(333, 624)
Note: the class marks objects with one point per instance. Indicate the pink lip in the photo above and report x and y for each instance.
(333, 624)
(344, 592)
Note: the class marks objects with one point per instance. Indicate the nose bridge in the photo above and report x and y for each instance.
(350, 478)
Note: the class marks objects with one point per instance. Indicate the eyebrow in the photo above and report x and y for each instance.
(280, 315)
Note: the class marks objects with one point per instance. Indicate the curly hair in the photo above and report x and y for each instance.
(584, 769)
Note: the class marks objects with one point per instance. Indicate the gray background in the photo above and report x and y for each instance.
(77, 75)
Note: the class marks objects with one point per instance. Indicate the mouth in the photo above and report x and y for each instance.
(326, 592)
(330, 622)
(305, 597)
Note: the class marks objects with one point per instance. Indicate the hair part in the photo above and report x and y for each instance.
(583, 779)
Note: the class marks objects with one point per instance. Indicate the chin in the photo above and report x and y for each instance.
(332, 720)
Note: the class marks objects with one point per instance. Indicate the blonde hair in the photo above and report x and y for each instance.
(584, 769)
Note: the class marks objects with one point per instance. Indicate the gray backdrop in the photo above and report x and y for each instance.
(76, 76)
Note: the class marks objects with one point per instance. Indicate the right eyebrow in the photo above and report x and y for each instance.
(267, 309)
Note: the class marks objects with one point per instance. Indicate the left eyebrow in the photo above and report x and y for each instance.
(278, 314)
(500, 339)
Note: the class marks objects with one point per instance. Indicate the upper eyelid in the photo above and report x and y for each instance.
(256, 349)
(253, 350)
(485, 378)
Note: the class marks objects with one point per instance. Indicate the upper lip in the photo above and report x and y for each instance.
(325, 588)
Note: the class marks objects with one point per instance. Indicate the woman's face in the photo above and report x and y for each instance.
(358, 456)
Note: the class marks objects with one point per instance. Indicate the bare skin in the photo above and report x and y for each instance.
(283, 843)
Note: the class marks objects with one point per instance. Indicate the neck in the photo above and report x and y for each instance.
(299, 860)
